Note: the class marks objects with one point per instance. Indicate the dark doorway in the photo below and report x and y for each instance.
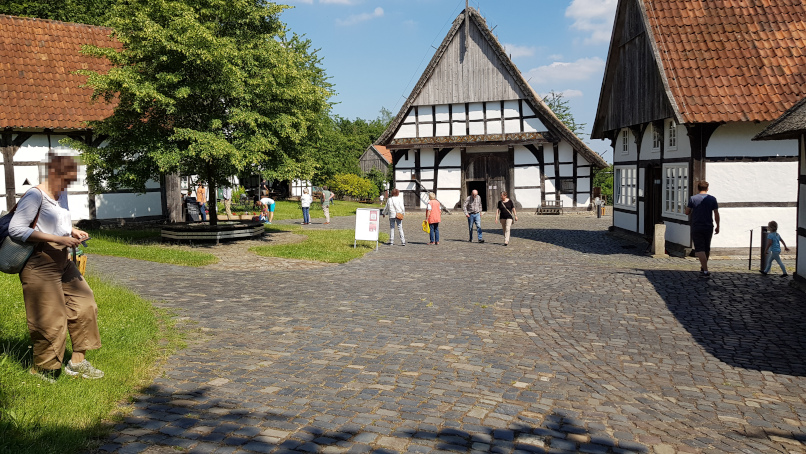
(480, 186)
(488, 174)
(653, 210)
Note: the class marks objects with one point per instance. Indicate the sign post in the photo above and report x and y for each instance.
(367, 225)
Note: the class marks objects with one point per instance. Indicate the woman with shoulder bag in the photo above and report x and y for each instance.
(506, 213)
(57, 298)
(396, 211)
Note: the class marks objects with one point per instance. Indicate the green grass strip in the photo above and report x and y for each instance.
(37, 417)
(331, 246)
(285, 209)
(144, 245)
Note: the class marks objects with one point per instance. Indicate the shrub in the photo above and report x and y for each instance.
(347, 184)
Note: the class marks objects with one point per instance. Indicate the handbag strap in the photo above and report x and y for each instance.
(503, 204)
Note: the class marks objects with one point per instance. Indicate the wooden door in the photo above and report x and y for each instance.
(488, 173)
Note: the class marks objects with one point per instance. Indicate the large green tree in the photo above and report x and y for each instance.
(559, 105)
(93, 12)
(343, 141)
(211, 88)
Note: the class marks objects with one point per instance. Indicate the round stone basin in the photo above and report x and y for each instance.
(224, 231)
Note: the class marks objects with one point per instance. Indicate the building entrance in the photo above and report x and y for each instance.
(488, 174)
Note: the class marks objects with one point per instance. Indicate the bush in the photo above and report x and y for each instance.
(347, 184)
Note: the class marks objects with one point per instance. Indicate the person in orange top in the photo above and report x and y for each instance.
(433, 214)
(201, 195)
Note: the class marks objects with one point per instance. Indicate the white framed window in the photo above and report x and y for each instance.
(675, 190)
(657, 137)
(625, 141)
(625, 182)
(671, 143)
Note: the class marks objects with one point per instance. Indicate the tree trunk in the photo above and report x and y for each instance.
(212, 203)
(171, 198)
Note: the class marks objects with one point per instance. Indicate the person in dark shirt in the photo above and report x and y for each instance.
(700, 207)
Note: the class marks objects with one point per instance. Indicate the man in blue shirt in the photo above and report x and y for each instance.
(700, 208)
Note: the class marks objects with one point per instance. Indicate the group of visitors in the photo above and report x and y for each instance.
(505, 213)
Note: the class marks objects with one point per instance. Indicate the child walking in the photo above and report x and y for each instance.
(774, 241)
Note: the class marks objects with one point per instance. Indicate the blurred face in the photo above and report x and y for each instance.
(475, 193)
(503, 196)
(61, 173)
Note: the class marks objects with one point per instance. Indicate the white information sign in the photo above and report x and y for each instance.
(367, 225)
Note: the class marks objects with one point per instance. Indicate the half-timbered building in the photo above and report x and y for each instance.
(42, 102)
(473, 122)
(687, 84)
(375, 157)
(792, 126)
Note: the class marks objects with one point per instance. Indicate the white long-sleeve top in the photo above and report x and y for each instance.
(395, 205)
(54, 218)
(305, 200)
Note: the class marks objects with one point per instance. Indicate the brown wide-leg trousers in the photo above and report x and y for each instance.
(57, 301)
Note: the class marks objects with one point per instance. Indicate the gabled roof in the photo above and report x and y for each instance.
(383, 152)
(790, 125)
(511, 80)
(37, 86)
(721, 61)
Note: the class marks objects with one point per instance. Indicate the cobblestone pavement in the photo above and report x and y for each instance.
(567, 340)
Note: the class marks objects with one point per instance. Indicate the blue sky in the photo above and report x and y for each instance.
(375, 50)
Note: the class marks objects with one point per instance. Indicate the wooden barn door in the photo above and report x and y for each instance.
(488, 174)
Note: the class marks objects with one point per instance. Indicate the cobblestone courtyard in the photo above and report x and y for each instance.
(567, 340)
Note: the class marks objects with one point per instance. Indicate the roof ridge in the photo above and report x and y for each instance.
(38, 19)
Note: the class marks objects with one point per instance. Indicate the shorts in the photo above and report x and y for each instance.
(702, 240)
(271, 208)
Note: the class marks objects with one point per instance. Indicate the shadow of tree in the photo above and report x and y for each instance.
(745, 320)
(196, 422)
(598, 242)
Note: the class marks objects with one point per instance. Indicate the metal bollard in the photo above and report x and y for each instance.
(763, 248)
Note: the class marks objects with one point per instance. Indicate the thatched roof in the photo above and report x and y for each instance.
(790, 125)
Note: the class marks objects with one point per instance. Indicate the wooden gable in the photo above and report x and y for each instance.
(469, 71)
(634, 91)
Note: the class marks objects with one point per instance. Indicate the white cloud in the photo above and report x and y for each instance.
(358, 18)
(594, 17)
(337, 2)
(518, 51)
(582, 69)
(555, 57)
(570, 93)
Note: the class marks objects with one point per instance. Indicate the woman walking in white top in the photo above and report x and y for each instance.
(305, 202)
(394, 207)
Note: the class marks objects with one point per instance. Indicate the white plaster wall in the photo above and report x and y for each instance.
(426, 174)
(458, 113)
(450, 178)
(550, 187)
(511, 109)
(476, 128)
(80, 206)
(733, 139)
(736, 223)
(2, 182)
(424, 114)
(111, 206)
(646, 146)
(449, 197)
(494, 127)
(753, 181)
(404, 163)
(406, 131)
(678, 234)
(640, 189)
(625, 221)
(406, 185)
(443, 112)
(533, 125)
(567, 199)
(527, 176)
(523, 156)
(565, 152)
(619, 155)
(475, 111)
(566, 170)
(549, 170)
(425, 130)
(548, 155)
(23, 172)
(583, 200)
(427, 157)
(512, 126)
(494, 110)
(34, 149)
(527, 110)
(583, 185)
(583, 172)
(444, 130)
(403, 175)
(528, 198)
(453, 159)
(459, 128)
(683, 145)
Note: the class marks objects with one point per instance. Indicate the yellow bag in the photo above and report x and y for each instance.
(426, 227)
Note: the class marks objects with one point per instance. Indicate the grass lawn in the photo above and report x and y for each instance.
(37, 417)
(331, 246)
(285, 209)
(143, 245)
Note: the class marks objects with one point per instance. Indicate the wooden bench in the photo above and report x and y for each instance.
(550, 207)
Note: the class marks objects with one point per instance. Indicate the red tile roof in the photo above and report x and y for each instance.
(37, 87)
(384, 152)
(731, 60)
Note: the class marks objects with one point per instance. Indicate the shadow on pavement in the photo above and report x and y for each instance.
(198, 423)
(745, 320)
(583, 241)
